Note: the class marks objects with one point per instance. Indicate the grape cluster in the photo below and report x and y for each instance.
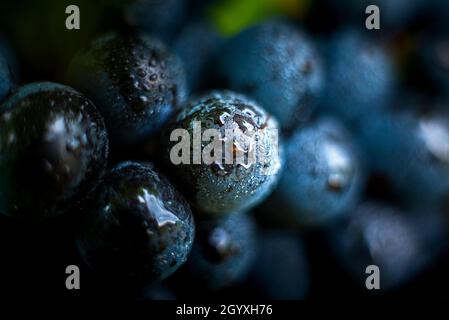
(350, 128)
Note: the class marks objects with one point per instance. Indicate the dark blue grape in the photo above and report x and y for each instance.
(400, 243)
(411, 149)
(281, 270)
(139, 228)
(53, 149)
(220, 187)
(159, 17)
(394, 14)
(275, 63)
(322, 178)
(196, 45)
(134, 80)
(223, 252)
(361, 76)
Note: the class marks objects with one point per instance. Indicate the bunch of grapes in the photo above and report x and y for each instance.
(357, 175)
